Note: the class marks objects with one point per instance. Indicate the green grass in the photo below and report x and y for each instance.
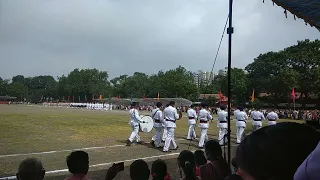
(35, 129)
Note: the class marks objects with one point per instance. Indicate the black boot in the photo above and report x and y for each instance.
(129, 142)
(152, 143)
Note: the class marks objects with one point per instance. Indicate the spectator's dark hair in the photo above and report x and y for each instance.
(139, 170)
(167, 105)
(187, 163)
(222, 107)
(233, 177)
(78, 162)
(159, 169)
(192, 105)
(213, 150)
(30, 169)
(275, 152)
(172, 103)
(199, 158)
(159, 104)
(240, 108)
(234, 162)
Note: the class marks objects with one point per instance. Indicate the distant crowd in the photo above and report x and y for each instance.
(275, 158)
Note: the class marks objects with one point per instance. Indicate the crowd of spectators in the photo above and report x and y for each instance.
(275, 152)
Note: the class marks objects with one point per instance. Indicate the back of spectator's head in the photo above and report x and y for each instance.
(172, 103)
(78, 162)
(159, 104)
(234, 162)
(159, 169)
(199, 158)
(233, 177)
(223, 107)
(213, 150)
(192, 105)
(30, 169)
(240, 108)
(139, 170)
(275, 152)
(187, 163)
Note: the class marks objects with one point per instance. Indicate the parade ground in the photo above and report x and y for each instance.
(51, 133)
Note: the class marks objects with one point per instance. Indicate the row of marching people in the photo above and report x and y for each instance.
(93, 106)
(241, 117)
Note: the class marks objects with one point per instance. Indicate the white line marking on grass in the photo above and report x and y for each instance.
(68, 150)
(104, 164)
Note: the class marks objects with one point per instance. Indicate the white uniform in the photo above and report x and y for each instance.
(170, 116)
(135, 120)
(158, 122)
(223, 126)
(235, 113)
(241, 117)
(192, 116)
(204, 117)
(257, 117)
(272, 117)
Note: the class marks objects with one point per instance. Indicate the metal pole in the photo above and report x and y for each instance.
(229, 31)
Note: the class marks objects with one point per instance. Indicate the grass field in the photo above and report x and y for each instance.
(51, 133)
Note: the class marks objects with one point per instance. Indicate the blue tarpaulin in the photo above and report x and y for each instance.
(308, 10)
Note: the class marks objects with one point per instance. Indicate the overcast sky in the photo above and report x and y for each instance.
(52, 37)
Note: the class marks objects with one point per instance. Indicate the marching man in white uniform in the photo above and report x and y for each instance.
(223, 125)
(257, 117)
(204, 117)
(272, 118)
(241, 117)
(192, 116)
(158, 125)
(170, 116)
(164, 134)
(135, 121)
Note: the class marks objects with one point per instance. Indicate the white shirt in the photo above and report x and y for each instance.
(170, 113)
(135, 118)
(223, 116)
(235, 113)
(258, 116)
(273, 117)
(192, 113)
(157, 115)
(204, 115)
(241, 117)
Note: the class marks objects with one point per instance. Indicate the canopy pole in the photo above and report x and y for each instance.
(230, 32)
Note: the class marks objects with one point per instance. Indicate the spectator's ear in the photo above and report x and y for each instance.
(17, 176)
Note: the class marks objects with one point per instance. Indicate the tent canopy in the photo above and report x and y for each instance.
(309, 10)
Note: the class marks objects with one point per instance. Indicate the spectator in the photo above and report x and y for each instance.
(217, 167)
(78, 165)
(310, 168)
(139, 170)
(31, 169)
(200, 160)
(275, 152)
(159, 170)
(235, 165)
(187, 165)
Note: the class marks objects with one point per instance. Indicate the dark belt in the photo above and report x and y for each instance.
(243, 121)
(202, 121)
(257, 119)
(191, 117)
(222, 121)
(157, 121)
(171, 120)
(271, 119)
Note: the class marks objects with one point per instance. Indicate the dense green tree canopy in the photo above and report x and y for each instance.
(274, 73)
